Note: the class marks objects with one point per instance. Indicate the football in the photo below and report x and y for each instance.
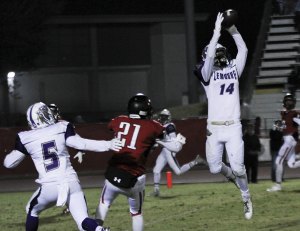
(230, 18)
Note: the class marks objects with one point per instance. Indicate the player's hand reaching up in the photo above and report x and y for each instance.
(218, 23)
(115, 144)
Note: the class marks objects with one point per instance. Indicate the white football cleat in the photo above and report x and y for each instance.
(248, 209)
(275, 188)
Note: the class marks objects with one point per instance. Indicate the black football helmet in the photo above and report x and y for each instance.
(222, 57)
(55, 111)
(140, 105)
(289, 101)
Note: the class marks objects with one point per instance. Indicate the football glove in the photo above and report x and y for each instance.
(218, 23)
(116, 145)
(180, 138)
(79, 156)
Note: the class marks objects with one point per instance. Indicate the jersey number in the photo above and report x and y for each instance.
(228, 89)
(126, 128)
(51, 160)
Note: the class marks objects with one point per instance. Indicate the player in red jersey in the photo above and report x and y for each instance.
(125, 173)
(289, 127)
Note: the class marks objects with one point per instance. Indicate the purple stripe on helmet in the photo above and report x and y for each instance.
(30, 117)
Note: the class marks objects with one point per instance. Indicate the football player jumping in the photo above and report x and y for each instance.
(126, 169)
(219, 75)
(289, 127)
(166, 156)
(46, 143)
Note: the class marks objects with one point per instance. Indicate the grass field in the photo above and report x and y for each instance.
(185, 207)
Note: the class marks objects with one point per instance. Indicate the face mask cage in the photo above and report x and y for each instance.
(163, 119)
(221, 59)
(45, 115)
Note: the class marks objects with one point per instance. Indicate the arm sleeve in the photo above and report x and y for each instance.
(207, 68)
(242, 51)
(19, 146)
(173, 146)
(80, 143)
(13, 159)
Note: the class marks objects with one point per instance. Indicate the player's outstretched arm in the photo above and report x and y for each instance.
(80, 143)
(13, 159)
(241, 47)
(174, 145)
(211, 50)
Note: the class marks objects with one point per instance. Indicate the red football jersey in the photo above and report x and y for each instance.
(138, 136)
(291, 127)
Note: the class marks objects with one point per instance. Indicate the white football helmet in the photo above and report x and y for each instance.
(222, 57)
(164, 116)
(39, 116)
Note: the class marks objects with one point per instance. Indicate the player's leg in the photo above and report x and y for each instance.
(292, 163)
(174, 165)
(160, 163)
(235, 151)
(108, 195)
(135, 201)
(283, 153)
(291, 158)
(43, 198)
(78, 208)
(214, 154)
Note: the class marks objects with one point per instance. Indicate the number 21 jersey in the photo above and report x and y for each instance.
(138, 136)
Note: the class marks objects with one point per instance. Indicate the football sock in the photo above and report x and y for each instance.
(89, 224)
(186, 167)
(227, 172)
(101, 211)
(32, 223)
(279, 170)
(156, 178)
(156, 187)
(242, 182)
(137, 223)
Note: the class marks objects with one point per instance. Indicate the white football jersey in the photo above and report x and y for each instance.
(222, 92)
(222, 84)
(48, 150)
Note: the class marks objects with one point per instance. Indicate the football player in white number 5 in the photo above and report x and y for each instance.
(219, 75)
(46, 143)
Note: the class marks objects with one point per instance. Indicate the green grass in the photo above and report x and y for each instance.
(185, 207)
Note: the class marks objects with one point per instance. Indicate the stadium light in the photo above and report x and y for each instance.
(11, 81)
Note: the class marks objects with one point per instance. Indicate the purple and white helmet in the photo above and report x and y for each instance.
(39, 116)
